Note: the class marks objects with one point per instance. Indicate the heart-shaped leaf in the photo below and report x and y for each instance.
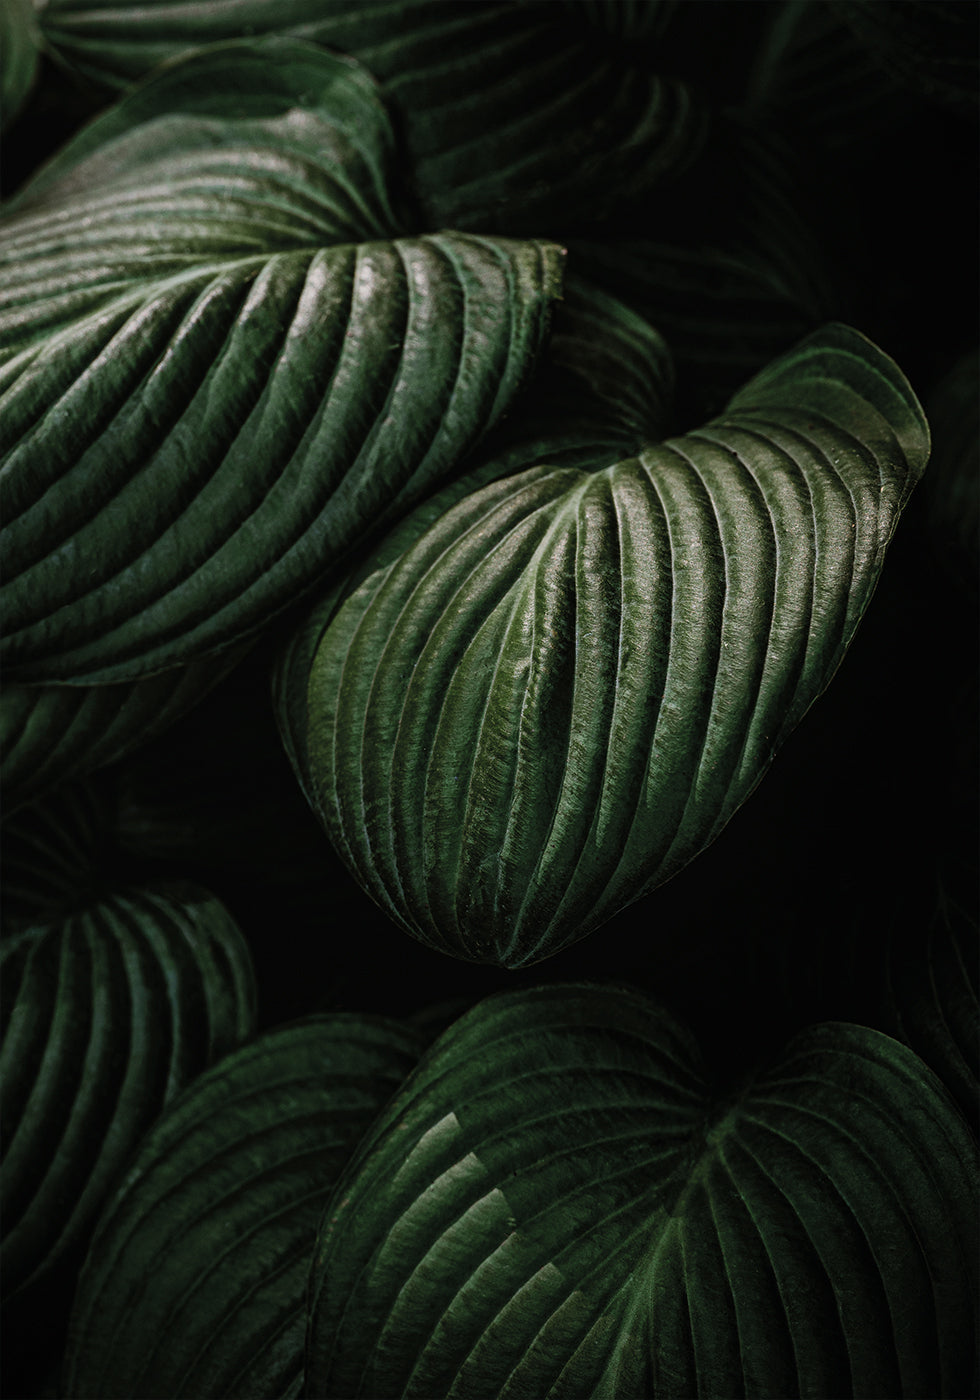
(563, 687)
(107, 1013)
(556, 1205)
(195, 1282)
(220, 371)
(516, 117)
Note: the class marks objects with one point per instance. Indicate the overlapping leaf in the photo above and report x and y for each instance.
(195, 1282)
(107, 1013)
(556, 1205)
(220, 371)
(563, 687)
(516, 116)
(52, 733)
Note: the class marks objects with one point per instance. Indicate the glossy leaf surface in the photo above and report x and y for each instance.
(563, 687)
(107, 1013)
(195, 1282)
(222, 371)
(557, 1206)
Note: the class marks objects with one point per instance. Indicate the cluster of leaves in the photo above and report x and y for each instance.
(461, 429)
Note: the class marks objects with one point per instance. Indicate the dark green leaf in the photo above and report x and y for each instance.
(516, 116)
(220, 372)
(51, 733)
(19, 56)
(107, 1013)
(195, 1282)
(563, 688)
(555, 1205)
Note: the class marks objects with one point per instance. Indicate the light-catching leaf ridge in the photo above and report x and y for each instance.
(564, 687)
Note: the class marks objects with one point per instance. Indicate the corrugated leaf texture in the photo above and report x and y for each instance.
(512, 114)
(195, 1284)
(107, 1013)
(220, 370)
(556, 1205)
(566, 684)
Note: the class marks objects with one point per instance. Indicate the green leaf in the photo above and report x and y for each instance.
(107, 1013)
(19, 55)
(556, 1205)
(254, 373)
(196, 1279)
(563, 688)
(515, 116)
(52, 733)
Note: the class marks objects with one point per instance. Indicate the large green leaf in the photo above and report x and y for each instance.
(220, 371)
(561, 689)
(107, 1013)
(196, 1279)
(52, 733)
(557, 1205)
(515, 116)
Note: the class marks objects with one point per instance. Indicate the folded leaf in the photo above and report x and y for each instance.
(555, 1205)
(220, 371)
(195, 1282)
(563, 687)
(107, 1013)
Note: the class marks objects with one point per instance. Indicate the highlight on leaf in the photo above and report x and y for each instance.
(256, 370)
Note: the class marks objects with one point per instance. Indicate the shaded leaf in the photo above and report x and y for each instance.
(19, 54)
(930, 44)
(566, 684)
(254, 377)
(196, 1279)
(52, 733)
(515, 116)
(107, 1013)
(556, 1205)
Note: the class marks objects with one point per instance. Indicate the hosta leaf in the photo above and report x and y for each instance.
(932, 44)
(51, 733)
(563, 687)
(107, 1013)
(932, 1003)
(254, 373)
(18, 56)
(513, 114)
(603, 385)
(196, 1279)
(555, 1205)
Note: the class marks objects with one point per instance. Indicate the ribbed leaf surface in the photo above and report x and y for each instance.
(195, 1282)
(564, 687)
(555, 1206)
(51, 733)
(106, 1015)
(516, 116)
(219, 374)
